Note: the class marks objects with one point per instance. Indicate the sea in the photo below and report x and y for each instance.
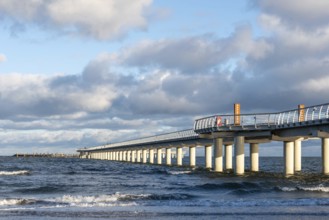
(64, 188)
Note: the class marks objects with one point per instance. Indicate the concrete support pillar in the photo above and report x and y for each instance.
(144, 156)
(192, 156)
(124, 156)
(239, 155)
(139, 152)
(228, 157)
(289, 158)
(325, 156)
(254, 158)
(168, 156)
(111, 155)
(179, 156)
(151, 156)
(118, 153)
(159, 156)
(128, 156)
(208, 155)
(298, 155)
(218, 145)
(133, 156)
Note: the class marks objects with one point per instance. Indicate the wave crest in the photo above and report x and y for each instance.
(13, 173)
(319, 188)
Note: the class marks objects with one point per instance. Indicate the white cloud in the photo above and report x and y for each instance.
(3, 58)
(99, 19)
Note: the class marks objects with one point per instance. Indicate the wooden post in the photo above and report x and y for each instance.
(237, 120)
(301, 112)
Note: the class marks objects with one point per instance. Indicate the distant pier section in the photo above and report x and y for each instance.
(54, 155)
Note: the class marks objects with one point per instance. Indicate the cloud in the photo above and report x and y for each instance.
(306, 14)
(3, 58)
(99, 19)
(195, 54)
(157, 86)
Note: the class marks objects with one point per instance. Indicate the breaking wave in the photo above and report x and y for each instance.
(13, 173)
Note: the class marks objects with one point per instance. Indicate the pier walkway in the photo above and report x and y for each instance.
(220, 135)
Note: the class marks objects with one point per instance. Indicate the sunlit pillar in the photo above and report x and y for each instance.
(179, 156)
(239, 155)
(289, 157)
(133, 156)
(159, 156)
(192, 156)
(152, 156)
(325, 155)
(144, 155)
(228, 157)
(208, 156)
(128, 155)
(168, 156)
(218, 146)
(139, 153)
(254, 157)
(298, 155)
(124, 156)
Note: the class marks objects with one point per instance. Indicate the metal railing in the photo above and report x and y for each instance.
(262, 120)
(157, 139)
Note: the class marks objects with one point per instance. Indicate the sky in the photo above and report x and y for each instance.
(83, 73)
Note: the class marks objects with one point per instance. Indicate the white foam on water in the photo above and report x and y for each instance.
(16, 202)
(116, 199)
(10, 202)
(179, 172)
(12, 173)
(288, 189)
(319, 188)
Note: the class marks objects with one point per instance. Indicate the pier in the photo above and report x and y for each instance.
(53, 155)
(224, 138)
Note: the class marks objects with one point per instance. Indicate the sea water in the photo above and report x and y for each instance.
(50, 188)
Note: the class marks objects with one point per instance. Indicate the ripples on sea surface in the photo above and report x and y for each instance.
(49, 188)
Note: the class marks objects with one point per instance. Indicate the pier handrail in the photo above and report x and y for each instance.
(261, 120)
(178, 135)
